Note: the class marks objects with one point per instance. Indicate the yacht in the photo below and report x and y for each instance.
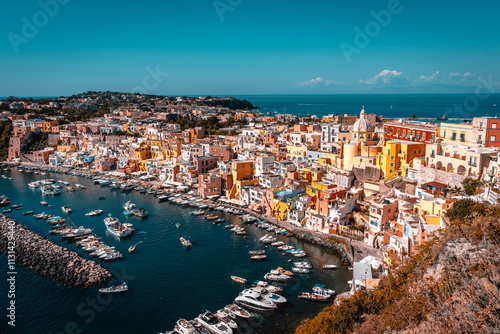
(300, 270)
(79, 232)
(162, 198)
(254, 301)
(114, 185)
(127, 187)
(277, 277)
(213, 324)
(224, 316)
(275, 298)
(197, 212)
(104, 183)
(43, 203)
(267, 286)
(303, 264)
(183, 326)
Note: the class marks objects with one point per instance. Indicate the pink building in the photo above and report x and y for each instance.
(209, 185)
(205, 164)
(105, 164)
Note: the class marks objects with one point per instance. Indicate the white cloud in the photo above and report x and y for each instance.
(462, 77)
(386, 77)
(316, 82)
(431, 78)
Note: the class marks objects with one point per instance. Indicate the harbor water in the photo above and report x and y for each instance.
(166, 281)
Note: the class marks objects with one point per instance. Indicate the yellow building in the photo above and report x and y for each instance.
(451, 133)
(396, 154)
(318, 186)
(296, 152)
(66, 148)
(242, 170)
(432, 206)
(143, 153)
(281, 210)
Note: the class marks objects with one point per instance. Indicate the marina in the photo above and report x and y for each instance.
(169, 285)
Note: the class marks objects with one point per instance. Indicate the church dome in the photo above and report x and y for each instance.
(362, 124)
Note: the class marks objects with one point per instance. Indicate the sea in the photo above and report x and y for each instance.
(166, 281)
(453, 106)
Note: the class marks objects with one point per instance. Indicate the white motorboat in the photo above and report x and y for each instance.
(127, 187)
(277, 277)
(275, 298)
(223, 316)
(117, 229)
(330, 266)
(213, 324)
(66, 209)
(237, 311)
(115, 288)
(254, 301)
(303, 264)
(300, 270)
(129, 206)
(185, 327)
(269, 287)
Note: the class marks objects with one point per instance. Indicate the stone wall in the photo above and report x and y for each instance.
(427, 174)
(368, 173)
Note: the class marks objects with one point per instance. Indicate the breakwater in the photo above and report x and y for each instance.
(48, 259)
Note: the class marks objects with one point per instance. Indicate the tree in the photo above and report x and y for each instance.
(470, 185)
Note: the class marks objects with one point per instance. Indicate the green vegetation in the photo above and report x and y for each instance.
(5, 134)
(445, 288)
(211, 125)
(38, 141)
(470, 185)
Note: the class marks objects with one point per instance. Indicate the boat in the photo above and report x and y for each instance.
(300, 253)
(277, 243)
(78, 232)
(101, 198)
(30, 212)
(303, 264)
(114, 186)
(115, 288)
(269, 287)
(225, 317)
(183, 326)
(237, 311)
(16, 206)
(211, 217)
(94, 213)
(197, 212)
(42, 215)
(220, 220)
(300, 270)
(70, 189)
(141, 212)
(239, 279)
(116, 228)
(277, 277)
(178, 225)
(127, 187)
(273, 297)
(131, 249)
(255, 302)
(350, 268)
(213, 324)
(185, 242)
(43, 203)
(7, 210)
(79, 186)
(257, 252)
(66, 209)
(258, 257)
(329, 266)
(129, 206)
(313, 297)
(162, 198)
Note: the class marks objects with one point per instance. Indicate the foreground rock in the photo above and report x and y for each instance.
(48, 259)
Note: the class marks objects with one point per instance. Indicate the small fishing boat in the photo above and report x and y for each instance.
(197, 212)
(43, 203)
(131, 249)
(211, 217)
(66, 209)
(300, 270)
(237, 311)
(185, 242)
(115, 288)
(178, 225)
(257, 252)
(239, 279)
(7, 211)
(30, 212)
(220, 220)
(260, 257)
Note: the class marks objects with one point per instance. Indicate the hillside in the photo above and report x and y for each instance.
(451, 286)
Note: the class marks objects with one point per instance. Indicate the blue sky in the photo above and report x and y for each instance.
(230, 47)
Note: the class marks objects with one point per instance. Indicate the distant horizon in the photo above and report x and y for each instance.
(236, 95)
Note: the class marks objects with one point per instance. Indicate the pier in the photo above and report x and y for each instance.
(48, 259)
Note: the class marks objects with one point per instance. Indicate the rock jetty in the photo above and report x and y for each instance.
(48, 259)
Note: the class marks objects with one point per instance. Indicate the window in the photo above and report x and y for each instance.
(444, 134)
(418, 135)
(398, 132)
(494, 125)
(479, 138)
(423, 135)
(453, 135)
(392, 131)
(392, 165)
(480, 126)
(462, 137)
(404, 133)
(493, 138)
